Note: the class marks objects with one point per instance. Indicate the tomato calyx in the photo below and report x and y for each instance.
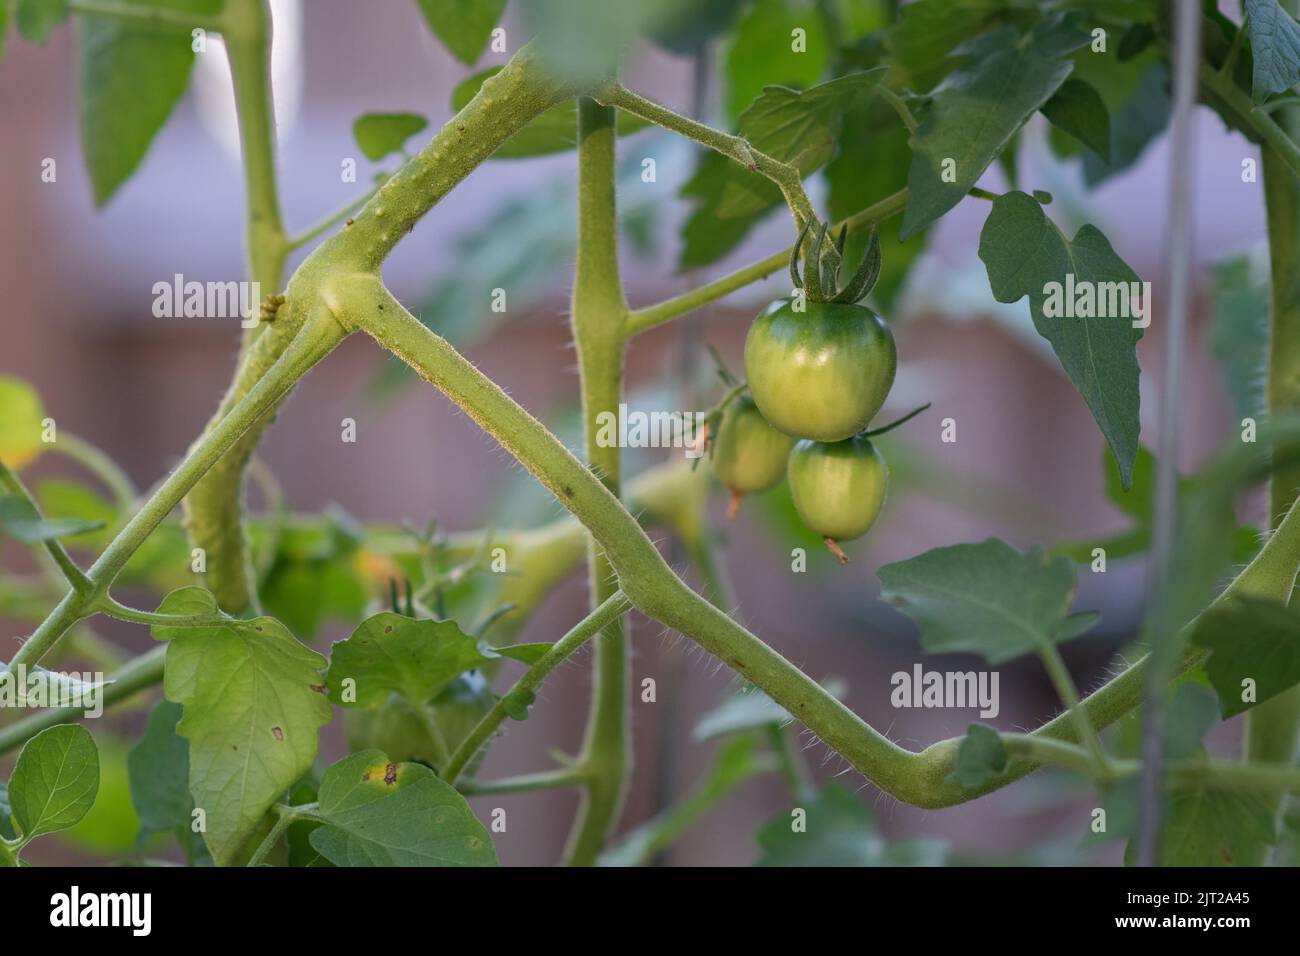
(823, 268)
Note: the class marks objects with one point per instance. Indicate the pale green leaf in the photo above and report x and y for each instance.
(253, 700)
(55, 780)
(464, 26)
(1026, 254)
(380, 813)
(21, 414)
(382, 134)
(391, 653)
(986, 598)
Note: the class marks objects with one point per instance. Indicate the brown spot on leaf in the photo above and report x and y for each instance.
(277, 733)
(568, 492)
(388, 629)
(321, 689)
(365, 777)
(349, 222)
(390, 774)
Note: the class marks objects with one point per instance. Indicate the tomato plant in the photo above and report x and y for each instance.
(854, 128)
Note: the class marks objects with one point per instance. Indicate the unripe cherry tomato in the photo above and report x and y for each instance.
(749, 455)
(838, 488)
(822, 373)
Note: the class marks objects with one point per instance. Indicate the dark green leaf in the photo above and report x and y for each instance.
(840, 831)
(55, 780)
(684, 26)
(986, 598)
(1026, 254)
(131, 77)
(1239, 333)
(20, 521)
(1140, 117)
(980, 757)
(253, 700)
(927, 33)
(979, 107)
(1079, 109)
(761, 52)
(464, 26)
(379, 813)
(391, 653)
(1191, 713)
(1252, 640)
(66, 499)
(159, 767)
(7, 831)
(1275, 45)
(38, 18)
(4, 37)
(382, 134)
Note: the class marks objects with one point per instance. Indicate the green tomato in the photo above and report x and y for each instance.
(838, 488)
(822, 373)
(750, 454)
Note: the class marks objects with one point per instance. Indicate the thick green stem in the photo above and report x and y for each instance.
(917, 778)
(1272, 730)
(610, 610)
(215, 507)
(597, 317)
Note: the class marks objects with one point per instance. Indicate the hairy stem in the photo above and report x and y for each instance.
(610, 610)
(215, 507)
(597, 316)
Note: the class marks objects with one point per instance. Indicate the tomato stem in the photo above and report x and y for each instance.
(894, 424)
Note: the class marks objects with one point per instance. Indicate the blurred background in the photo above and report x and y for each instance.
(1028, 464)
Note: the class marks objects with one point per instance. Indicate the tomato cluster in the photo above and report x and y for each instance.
(819, 367)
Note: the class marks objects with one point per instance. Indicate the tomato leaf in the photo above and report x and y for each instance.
(1239, 332)
(21, 414)
(55, 780)
(1079, 110)
(791, 126)
(37, 18)
(927, 33)
(382, 134)
(390, 653)
(1252, 640)
(840, 831)
(1275, 46)
(980, 757)
(159, 769)
(132, 75)
(1203, 826)
(379, 813)
(1135, 124)
(7, 831)
(762, 53)
(22, 522)
(253, 701)
(979, 107)
(1026, 254)
(463, 26)
(986, 598)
